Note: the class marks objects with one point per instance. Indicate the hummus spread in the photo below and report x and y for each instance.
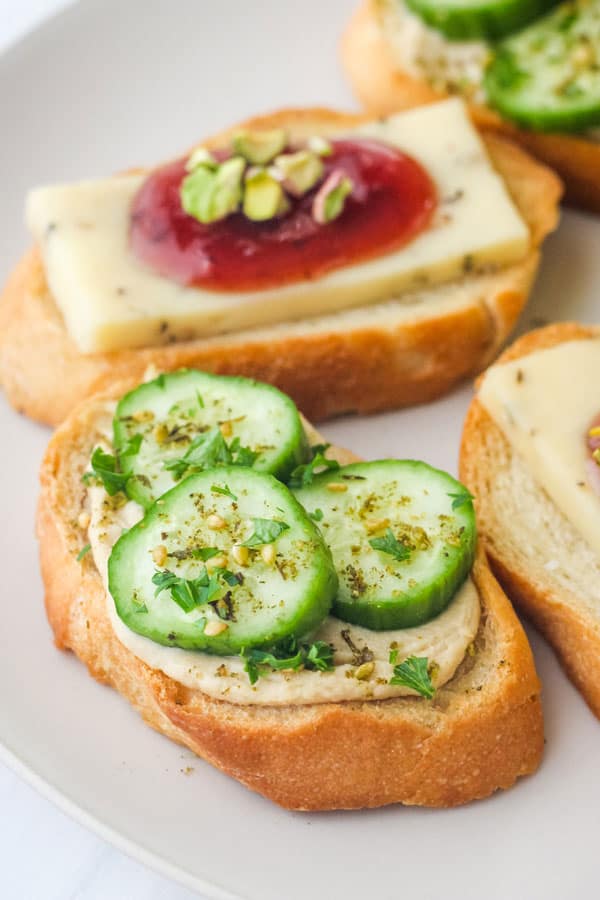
(443, 640)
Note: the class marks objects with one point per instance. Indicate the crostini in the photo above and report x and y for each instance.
(358, 265)
(320, 628)
(527, 68)
(530, 456)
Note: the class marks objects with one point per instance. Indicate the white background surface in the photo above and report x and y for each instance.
(538, 842)
(43, 854)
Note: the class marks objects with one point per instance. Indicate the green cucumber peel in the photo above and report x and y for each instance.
(469, 20)
(402, 535)
(547, 77)
(255, 604)
(188, 421)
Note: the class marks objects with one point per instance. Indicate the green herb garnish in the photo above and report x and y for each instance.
(242, 456)
(230, 577)
(318, 655)
(390, 545)
(187, 593)
(304, 474)
(109, 468)
(217, 489)
(83, 552)
(106, 467)
(287, 654)
(316, 515)
(209, 450)
(414, 673)
(460, 498)
(265, 532)
(204, 552)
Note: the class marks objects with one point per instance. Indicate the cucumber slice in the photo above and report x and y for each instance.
(402, 535)
(188, 420)
(547, 77)
(194, 572)
(464, 20)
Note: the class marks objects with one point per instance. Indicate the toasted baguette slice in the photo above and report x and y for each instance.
(381, 85)
(480, 733)
(379, 357)
(519, 523)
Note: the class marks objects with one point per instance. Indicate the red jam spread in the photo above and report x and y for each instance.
(392, 200)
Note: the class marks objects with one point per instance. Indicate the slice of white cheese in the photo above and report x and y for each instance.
(545, 403)
(110, 300)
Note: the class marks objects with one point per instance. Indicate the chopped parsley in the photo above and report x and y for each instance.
(460, 498)
(208, 450)
(106, 467)
(109, 468)
(304, 474)
(265, 532)
(391, 545)
(393, 657)
(318, 655)
(414, 673)
(316, 515)
(287, 654)
(83, 552)
(204, 552)
(232, 578)
(188, 593)
(224, 489)
(242, 456)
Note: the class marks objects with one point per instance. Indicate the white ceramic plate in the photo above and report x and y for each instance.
(105, 85)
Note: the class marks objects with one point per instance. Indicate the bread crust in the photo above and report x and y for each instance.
(482, 731)
(329, 370)
(552, 607)
(382, 88)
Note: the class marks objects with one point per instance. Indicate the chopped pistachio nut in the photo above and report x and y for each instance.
(260, 178)
(364, 672)
(331, 197)
(216, 562)
(240, 554)
(373, 525)
(159, 555)
(83, 520)
(300, 171)
(215, 522)
(337, 487)
(319, 145)
(260, 147)
(201, 157)
(212, 629)
(268, 554)
(264, 197)
(212, 194)
(161, 433)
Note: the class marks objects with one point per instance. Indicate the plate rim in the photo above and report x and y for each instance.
(135, 850)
